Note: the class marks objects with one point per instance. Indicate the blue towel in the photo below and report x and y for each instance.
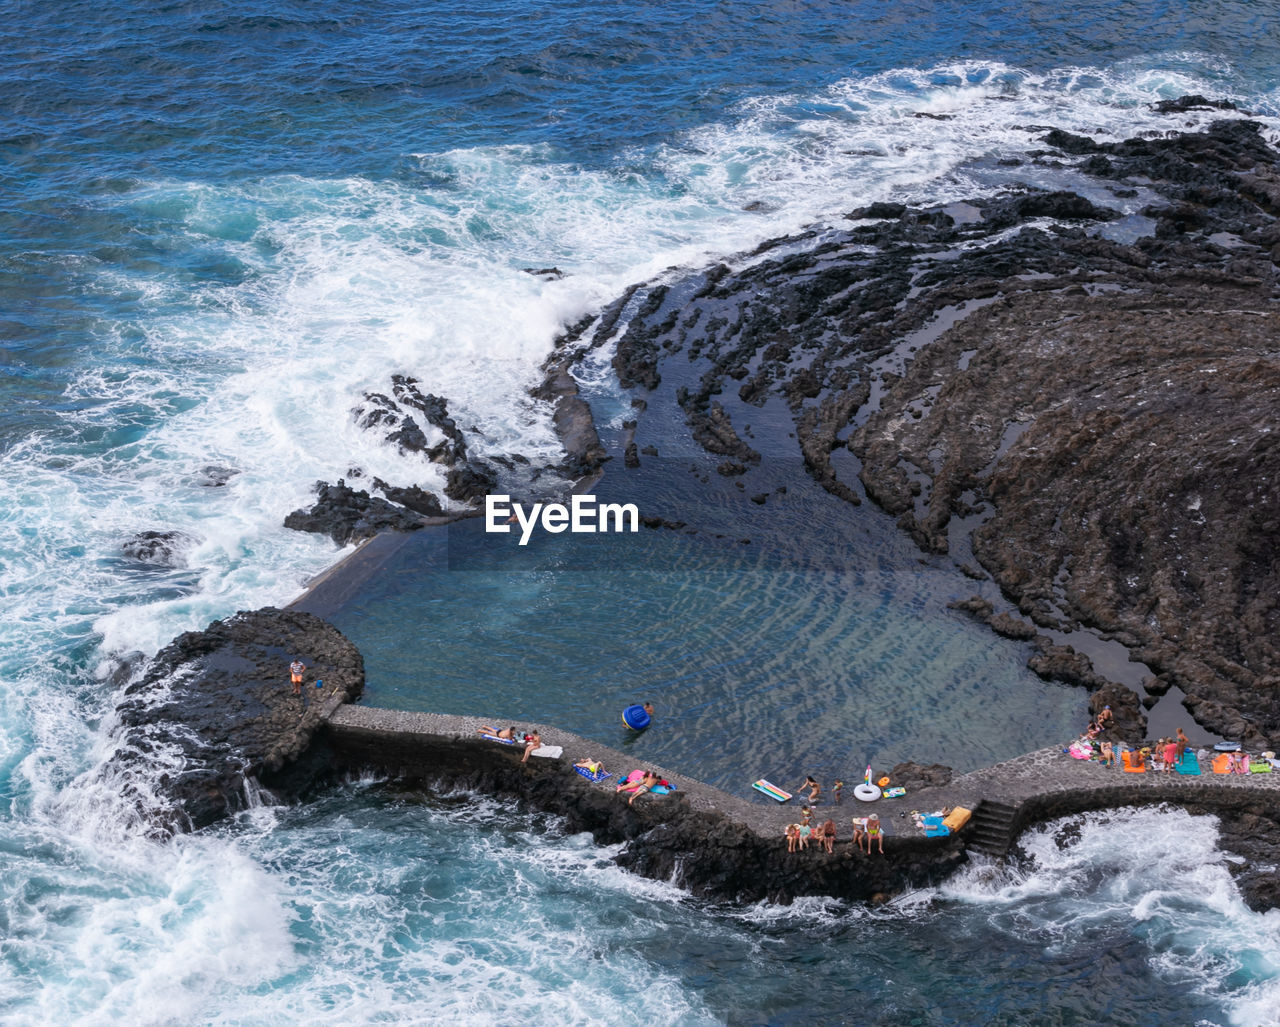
(599, 775)
(1188, 764)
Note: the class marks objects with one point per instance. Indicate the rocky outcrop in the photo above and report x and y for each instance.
(1087, 411)
(164, 548)
(351, 515)
(215, 709)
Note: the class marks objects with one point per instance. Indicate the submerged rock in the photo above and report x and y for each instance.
(166, 548)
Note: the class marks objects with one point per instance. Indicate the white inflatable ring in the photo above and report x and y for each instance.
(866, 792)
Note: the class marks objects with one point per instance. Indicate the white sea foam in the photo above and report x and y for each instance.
(341, 283)
(1155, 873)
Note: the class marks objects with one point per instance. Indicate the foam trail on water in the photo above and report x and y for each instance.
(1155, 874)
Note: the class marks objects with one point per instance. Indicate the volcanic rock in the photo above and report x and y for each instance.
(215, 708)
(349, 515)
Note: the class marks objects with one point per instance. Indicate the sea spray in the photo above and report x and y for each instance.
(225, 229)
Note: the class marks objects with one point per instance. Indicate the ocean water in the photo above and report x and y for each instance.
(221, 224)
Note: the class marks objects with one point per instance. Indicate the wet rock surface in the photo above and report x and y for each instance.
(215, 708)
(1078, 396)
(1250, 834)
(351, 515)
(163, 548)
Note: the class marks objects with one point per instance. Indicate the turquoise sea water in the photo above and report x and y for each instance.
(221, 224)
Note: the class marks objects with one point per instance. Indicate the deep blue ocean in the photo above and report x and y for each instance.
(222, 224)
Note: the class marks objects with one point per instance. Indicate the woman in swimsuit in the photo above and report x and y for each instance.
(859, 831)
(534, 741)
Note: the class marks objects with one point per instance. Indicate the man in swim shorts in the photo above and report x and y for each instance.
(296, 669)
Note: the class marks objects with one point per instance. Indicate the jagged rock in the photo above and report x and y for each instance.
(413, 497)
(1012, 627)
(573, 423)
(348, 515)
(1062, 663)
(1191, 102)
(165, 548)
(381, 411)
(471, 482)
(1129, 722)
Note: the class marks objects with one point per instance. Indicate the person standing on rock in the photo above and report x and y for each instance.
(1182, 741)
(296, 670)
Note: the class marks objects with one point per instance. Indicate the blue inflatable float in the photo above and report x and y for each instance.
(636, 717)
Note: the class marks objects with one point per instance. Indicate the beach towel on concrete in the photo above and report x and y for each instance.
(503, 741)
(554, 751)
(1188, 764)
(1260, 767)
(1133, 762)
(631, 783)
(934, 827)
(592, 771)
(957, 818)
(1222, 764)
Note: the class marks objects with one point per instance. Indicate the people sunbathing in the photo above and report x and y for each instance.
(506, 733)
(637, 787)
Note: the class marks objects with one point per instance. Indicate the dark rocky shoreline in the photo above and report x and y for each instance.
(1090, 418)
(1075, 405)
(1078, 405)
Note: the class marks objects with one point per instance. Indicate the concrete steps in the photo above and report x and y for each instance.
(991, 829)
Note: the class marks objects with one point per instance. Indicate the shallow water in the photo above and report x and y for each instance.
(823, 645)
(222, 224)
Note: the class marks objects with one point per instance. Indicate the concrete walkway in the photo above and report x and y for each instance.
(1006, 798)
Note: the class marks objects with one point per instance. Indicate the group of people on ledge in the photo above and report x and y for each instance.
(866, 830)
(532, 740)
(1165, 755)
